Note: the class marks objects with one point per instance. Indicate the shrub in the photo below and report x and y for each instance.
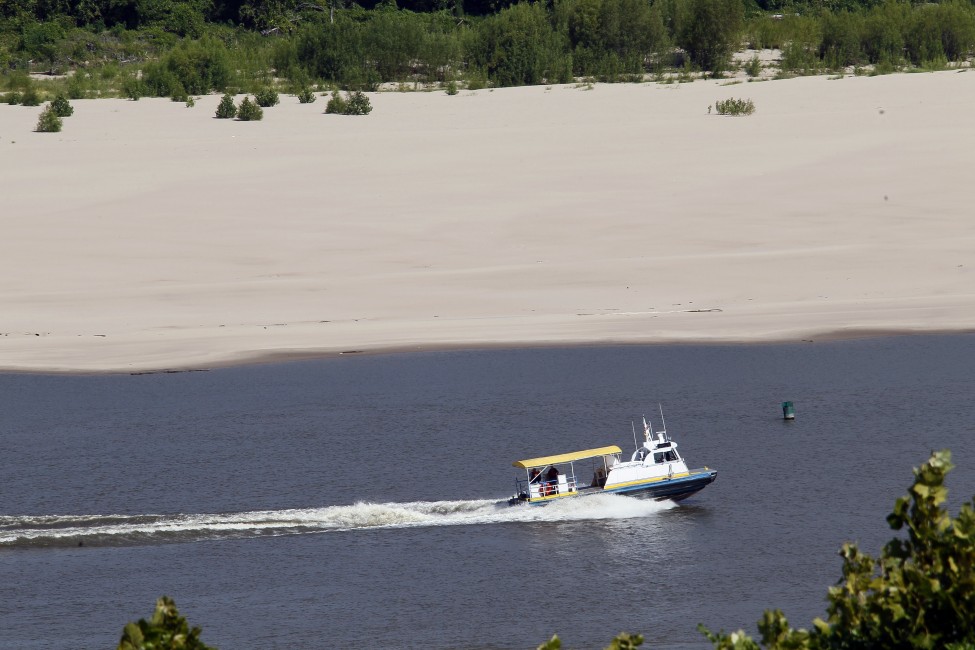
(249, 111)
(355, 103)
(477, 79)
(451, 87)
(61, 106)
(48, 122)
(12, 98)
(337, 104)
(226, 109)
(266, 97)
(754, 67)
(734, 106)
(30, 97)
(78, 85)
(165, 630)
(306, 96)
(133, 88)
(178, 93)
(358, 104)
(799, 58)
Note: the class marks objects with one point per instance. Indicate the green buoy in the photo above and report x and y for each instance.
(788, 411)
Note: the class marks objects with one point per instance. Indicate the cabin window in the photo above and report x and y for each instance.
(671, 456)
(658, 457)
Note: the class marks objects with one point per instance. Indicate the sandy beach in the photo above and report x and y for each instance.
(148, 235)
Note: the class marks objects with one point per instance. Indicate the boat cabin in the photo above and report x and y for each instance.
(660, 451)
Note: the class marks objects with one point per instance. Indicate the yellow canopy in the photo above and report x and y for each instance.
(566, 458)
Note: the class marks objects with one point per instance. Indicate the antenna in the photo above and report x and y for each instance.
(633, 426)
(664, 422)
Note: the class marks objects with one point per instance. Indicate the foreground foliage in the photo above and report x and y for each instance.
(920, 592)
(166, 630)
(623, 641)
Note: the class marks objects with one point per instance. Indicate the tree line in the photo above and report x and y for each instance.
(201, 46)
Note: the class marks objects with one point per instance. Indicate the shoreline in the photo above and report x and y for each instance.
(284, 356)
(149, 236)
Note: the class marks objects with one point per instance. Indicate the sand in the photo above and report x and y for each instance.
(148, 235)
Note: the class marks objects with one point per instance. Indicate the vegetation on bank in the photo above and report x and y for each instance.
(734, 106)
(180, 48)
(920, 592)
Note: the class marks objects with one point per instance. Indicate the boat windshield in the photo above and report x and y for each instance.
(669, 456)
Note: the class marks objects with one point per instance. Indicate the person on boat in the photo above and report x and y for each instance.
(599, 477)
(551, 480)
(533, 476)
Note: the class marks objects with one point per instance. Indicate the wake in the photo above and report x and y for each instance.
(128, 530)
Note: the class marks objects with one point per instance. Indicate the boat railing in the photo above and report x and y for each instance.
(540, 489)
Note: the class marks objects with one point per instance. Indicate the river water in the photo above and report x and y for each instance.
(353, 501)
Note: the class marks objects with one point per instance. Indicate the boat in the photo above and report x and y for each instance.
(655, 470)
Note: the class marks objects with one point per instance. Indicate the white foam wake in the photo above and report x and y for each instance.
(77, 530)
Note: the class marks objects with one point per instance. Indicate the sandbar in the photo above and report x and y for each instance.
(148, 235)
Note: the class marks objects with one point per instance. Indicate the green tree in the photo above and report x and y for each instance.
(226, 109)
(920, 592)
(199, 66)
(708, 30)
(166, 630)
(40, 41)
(840, 46)
(184, 18)
(939, 31)
(519, 46)
(249, 111)
(883, 32)
(394, 40)
(267, 97)
(627, 32)
(334, 52)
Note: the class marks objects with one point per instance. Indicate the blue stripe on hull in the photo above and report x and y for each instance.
(675, 489)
